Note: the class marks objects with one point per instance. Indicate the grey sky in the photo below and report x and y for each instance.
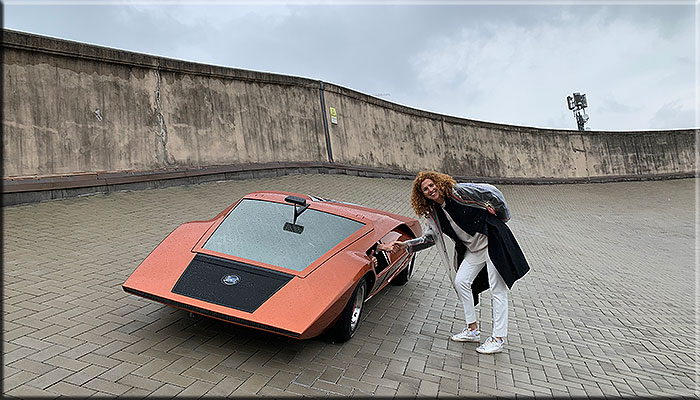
(514, 62)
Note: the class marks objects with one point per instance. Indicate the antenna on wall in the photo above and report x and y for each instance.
(577, 103)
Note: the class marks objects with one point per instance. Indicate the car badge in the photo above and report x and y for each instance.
(230, 280)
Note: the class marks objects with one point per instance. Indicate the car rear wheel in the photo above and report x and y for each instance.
(404, 275)
(349, 320)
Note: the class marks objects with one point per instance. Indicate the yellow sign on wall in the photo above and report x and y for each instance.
(334, 115)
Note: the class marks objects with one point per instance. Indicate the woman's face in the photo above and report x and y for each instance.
(431, 192)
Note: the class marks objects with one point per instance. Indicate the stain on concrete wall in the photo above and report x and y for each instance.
(160, 127)
(71, 108)
(50, 125)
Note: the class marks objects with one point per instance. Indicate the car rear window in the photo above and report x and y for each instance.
(254, 230)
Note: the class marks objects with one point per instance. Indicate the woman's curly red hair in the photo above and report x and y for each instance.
(444, 183)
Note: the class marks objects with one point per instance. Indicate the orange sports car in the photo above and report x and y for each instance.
(288, 263)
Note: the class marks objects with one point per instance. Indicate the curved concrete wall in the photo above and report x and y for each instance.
(71, 108)
(373, 132)
(153, 112)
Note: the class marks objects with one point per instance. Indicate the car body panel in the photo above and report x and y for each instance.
(311, 301)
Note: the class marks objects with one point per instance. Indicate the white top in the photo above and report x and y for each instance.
(477, 245)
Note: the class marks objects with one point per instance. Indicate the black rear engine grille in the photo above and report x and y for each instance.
(229, 283)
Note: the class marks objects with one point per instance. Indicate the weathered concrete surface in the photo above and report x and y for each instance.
(373, 132)
(608, 309)
(49, 115)
(72, 108)
(153, 112)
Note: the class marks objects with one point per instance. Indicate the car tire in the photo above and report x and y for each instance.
(404, 275)
(349, 320)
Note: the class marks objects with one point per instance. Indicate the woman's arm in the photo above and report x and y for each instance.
(417, 244)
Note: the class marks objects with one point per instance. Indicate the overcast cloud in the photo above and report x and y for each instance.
(507, 63)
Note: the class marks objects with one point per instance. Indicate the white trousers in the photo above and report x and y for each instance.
(499, 294)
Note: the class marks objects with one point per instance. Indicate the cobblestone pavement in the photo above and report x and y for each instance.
(608, 308)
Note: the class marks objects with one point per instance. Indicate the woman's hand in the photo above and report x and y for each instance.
(385, 247)
(373, 262)
(392, 247)
(396, 246)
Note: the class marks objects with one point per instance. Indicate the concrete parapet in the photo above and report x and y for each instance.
(91, 110)
(72, 109)
(378, 133)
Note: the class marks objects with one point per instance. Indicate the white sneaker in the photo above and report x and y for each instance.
(490, 346)
(466, 336)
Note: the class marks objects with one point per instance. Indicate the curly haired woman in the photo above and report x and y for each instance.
(481, 239)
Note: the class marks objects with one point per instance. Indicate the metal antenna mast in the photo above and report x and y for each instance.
(577, 103)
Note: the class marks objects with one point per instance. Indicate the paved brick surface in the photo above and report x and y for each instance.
(608, 309)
